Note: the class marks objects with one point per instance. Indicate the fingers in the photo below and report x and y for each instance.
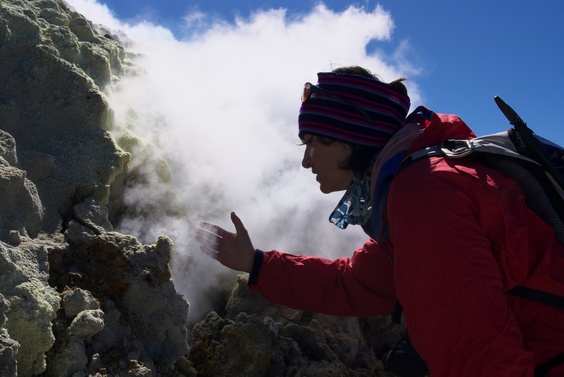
(211, 228)
(239, 227)
(209, 252)
(209, 240)
(207, 235)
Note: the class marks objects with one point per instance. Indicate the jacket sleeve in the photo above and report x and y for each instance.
(359, 286)
(451, 227)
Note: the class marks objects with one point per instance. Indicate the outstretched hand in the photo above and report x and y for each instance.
(233, 250)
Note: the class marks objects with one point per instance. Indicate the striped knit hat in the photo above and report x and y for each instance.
(353, 108)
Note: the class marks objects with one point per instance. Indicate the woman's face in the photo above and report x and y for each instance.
(325, 158)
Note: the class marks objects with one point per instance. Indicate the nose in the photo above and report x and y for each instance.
(306, 160)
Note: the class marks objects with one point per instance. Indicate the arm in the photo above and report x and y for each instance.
(362, 285)
(448, 226)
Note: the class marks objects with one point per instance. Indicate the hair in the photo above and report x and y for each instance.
(361, 156)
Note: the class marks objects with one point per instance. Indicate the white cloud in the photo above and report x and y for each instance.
(194, 19)
(95, 12)
(222, 106)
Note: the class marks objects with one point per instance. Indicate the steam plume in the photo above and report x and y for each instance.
(219, 105)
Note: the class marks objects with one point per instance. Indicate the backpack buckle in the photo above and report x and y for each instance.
(457, 148)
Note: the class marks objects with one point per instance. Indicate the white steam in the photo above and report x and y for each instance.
(220, 106)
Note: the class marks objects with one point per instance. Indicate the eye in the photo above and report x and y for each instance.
(308, 139)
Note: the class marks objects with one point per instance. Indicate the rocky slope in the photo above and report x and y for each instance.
(80, 299)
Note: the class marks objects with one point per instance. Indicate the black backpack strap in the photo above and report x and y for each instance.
(526, 140)
(548, 299)
(544, 368)
(537, 296)
(396, 313)
(402, 359)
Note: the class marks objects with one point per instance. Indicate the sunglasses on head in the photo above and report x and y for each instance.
(309, 89)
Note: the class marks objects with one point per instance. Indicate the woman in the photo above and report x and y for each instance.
(447, 238)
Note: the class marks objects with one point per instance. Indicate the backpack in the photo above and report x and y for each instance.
(537, 165)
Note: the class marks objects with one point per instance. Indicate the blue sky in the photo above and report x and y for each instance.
(467, 51)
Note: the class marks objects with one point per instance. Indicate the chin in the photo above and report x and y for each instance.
(329, 190)
(329, 187)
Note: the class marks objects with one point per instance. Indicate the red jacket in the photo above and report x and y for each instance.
(460, 236)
